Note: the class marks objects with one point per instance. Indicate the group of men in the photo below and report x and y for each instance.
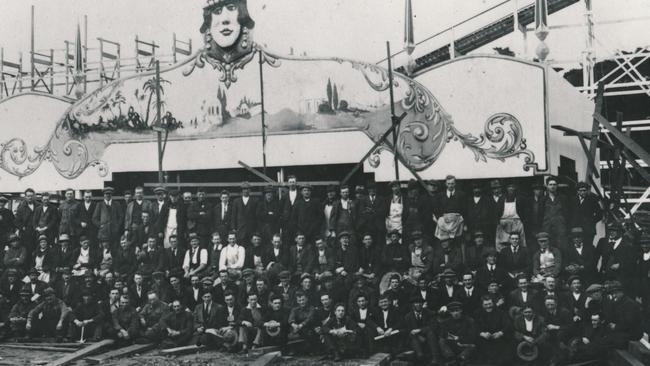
(495, 275)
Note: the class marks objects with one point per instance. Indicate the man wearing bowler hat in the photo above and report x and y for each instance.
(617, 257)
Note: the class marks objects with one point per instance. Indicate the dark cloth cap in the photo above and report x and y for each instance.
(542, 235)
(284, 275)
(576, 231)
(582, 185)
(454, 305)
(110, 190)
(342, 234)
(159, 189)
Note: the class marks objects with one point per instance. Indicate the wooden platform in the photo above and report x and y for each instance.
(81, 353)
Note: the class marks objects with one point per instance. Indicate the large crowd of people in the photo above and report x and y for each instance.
(435, 274)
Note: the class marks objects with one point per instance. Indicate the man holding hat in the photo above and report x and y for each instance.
(585, 212)
(346, 259)
(244, 211)
(547, 261)
(530, 335)
(108, 218)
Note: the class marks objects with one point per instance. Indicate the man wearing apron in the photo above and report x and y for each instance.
(511, 212)
(395, 209)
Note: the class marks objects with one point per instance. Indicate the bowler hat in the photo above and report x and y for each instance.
(174, 192)
(527, 351)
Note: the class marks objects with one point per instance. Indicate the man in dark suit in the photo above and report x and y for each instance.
(580, 259)
(200, 214)
(159, 207)
(307, 214)
(493, 327)
(108, 217)
(138, 292)
(419, 324)
(65, 288)
(221, 214)
(46, 219)
(70, 217)
(623, 317)
(287, 205)
(301, 257)
(514, 258)
(478, 212)
(470, 296)
(342, 217)
(244, 210)
(490, 271)
(448, 291)
(174, 256)
(268, 215)
(86, 209)
(278, 256)
(208, 315)
(361, 314)
(135, 208)
(556, 213)
(370, 217)
(389, 325)
(522, 297)
(585, 212)
(24, 220)
(617, 257)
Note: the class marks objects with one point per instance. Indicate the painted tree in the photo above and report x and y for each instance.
(335, 98)
(329, 92)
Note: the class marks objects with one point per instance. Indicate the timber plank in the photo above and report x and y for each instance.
(120, 352)
(39, 348)
(266, 359)
(182, 350)
(82, 352)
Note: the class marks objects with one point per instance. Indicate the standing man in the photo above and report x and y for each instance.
(108, 218)
(268, 215)
(342, 216)
(556, 212)
(172, 219)
(70, 217)
(200, 213)
(585, 213)
(222, 215)
(24, 220)
(86, 209)
(478, 212)
(617, 257)
(134, 210)
(370, 218)
(244, 209)
(6, 220)
(45, 219)
(287, 204)
(307, 214)
(450, 210)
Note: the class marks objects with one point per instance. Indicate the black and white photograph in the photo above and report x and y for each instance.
(325, 182)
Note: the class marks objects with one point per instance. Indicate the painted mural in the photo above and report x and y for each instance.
(233, 85)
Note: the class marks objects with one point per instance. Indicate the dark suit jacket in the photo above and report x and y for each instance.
(515, 299)
(138, 301)
(244, 219)
(174, 262)
(394, 319)
(222, 224)
(305, 262)
(519, 263)
(585, 215)
(538, 332)
(470, 303)
(108, 220)
(214, 319)
(426, 320)
(478, 214)
(203, 223)
(454, 204)
(348, 259)
(268, 217)
(66, 292)
(24, 219)
(443, 296)
(94, 255)
(484, 276)
(147, 206)
(48, 219)
(588, 259)
(624, 255)
(86, 216)
(307, 217)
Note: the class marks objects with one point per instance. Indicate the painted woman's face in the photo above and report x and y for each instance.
(225, 28)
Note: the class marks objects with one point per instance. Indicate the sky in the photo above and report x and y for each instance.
(357, 29)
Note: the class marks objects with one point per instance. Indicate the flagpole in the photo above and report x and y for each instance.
(263, 112)
(393, 119)
(158, 123)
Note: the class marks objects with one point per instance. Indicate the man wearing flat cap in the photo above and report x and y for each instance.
(244, 211)
(134, 210)
(48, 318)
(457, 337)
(585, 212)
(547, 261)
(108, 218)
(623, 317)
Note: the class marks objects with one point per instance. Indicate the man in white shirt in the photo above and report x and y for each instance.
(196, 258)
(232, 256)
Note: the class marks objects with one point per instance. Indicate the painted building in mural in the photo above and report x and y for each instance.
(461, 117)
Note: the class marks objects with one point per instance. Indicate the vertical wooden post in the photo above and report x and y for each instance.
(158, 122)
(261, 61)
(31, 49)
(51, 71)
(392, 111)
(2, 75)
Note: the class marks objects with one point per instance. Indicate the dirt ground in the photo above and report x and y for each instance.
(20, 357)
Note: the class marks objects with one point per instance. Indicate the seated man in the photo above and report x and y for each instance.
(276, 324)
(208, 319)
(420, 324)
(177, 326)
(126, 326)
(232, 256)
(19, 312)
(340, 334)
(150, 315)
(493, 326)
(591, 342)
(47, 319)
(388, 322)
(5, 308)
(300, 319)
(547, 261)
(457, 335)
(530, 328)
(195, 261)
(367, 328)
(86, 317)
(251, 320)
(623, 317)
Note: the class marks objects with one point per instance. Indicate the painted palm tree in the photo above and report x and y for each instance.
(118, 100)
(150, 87)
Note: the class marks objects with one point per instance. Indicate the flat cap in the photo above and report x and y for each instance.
(596, 287)
(542, 235)
(110, 190)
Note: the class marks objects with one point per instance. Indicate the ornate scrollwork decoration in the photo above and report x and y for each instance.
(502, 138)
(16, 159)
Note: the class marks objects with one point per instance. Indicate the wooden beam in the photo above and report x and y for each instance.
(86, 351)
(266, 359)
(120, 352)
(595, 128)
(54, 344)
(182, 350)
(628, 142)
(39, 348)
(257, 172)
(236, 184)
